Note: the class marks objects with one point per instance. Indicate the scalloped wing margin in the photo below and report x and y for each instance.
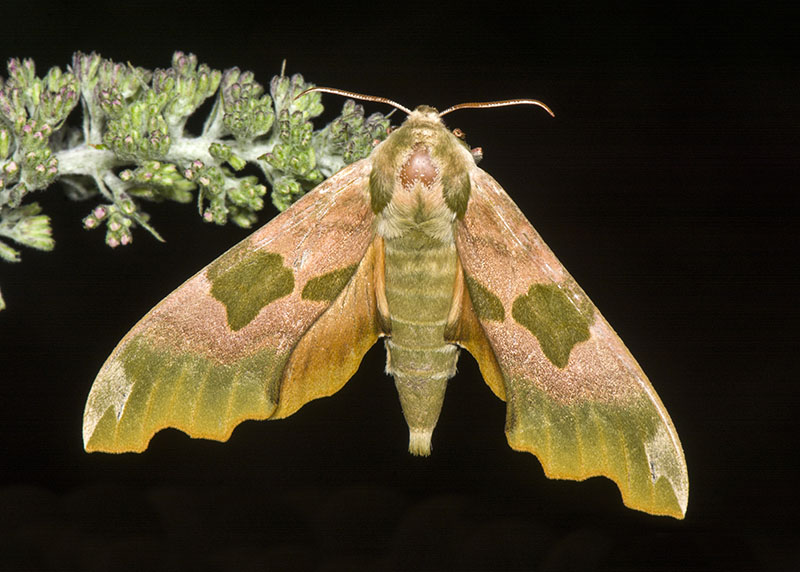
(575, 396)
(282, 318)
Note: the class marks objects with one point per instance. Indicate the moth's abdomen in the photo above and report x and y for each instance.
(420, 278)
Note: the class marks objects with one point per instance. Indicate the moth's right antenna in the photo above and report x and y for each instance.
(355, 95)
(503, 103)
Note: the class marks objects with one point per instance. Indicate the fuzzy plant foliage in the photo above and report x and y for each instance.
(129, 144)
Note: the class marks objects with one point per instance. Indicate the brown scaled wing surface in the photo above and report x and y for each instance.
(249, 336)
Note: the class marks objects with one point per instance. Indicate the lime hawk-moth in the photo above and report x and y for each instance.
(417, 245)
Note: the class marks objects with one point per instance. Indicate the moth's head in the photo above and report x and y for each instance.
(426, 113)
(424, 117)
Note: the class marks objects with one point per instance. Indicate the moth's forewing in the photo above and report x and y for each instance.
(231, 343)
(576, 397)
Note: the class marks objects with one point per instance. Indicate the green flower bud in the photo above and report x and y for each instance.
(90, 222)
(12, 106)
(219, 151)
(247, 112)
(242, 217)
(16, 194)
(39, 168)
(284, 90)
(127, 206)
(58, 98)
(224, 153)
(5, 143)
(285, 191)
(140, 132)
(85, 67)
(100, 212)
(8, 254)
(352, 136)
(35, 231)
(236, 162)
(186, 85)
(248, 194)
(111, 101)
(22, 73)
(27, 226)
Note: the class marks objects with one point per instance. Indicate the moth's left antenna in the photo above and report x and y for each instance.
(355, 95)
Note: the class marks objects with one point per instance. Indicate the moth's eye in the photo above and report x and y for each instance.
(462, 138)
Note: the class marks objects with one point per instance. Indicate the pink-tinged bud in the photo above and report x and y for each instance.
(204, 181)
(89, 222)
(125, 239)
(197, 164)
(114, 226)
(112, 242)
(99, 212)
(208, 217)
(188, 174)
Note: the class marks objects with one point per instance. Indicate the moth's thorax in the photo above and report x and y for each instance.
(420, 178)
(419, 168)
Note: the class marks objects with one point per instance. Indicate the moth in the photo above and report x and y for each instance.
(417, 245)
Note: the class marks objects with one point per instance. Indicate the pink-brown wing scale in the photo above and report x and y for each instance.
(576, 397)
(228, 344)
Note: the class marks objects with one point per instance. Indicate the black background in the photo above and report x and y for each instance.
(666, 184)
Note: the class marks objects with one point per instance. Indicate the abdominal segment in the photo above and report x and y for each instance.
(420, 279)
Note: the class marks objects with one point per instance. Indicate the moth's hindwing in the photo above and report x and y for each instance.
(282, 318)
(576, 397)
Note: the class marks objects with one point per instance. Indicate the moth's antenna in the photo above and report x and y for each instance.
(355, 95)
(503, 103)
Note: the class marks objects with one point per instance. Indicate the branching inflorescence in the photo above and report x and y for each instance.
(133, 144)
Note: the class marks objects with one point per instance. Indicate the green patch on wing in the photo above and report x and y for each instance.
(558, 320)
(185, 390)
(487, 306)
(327, 287)
(456, 185)
(380, 188)
(254, 280)
(626, 442)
